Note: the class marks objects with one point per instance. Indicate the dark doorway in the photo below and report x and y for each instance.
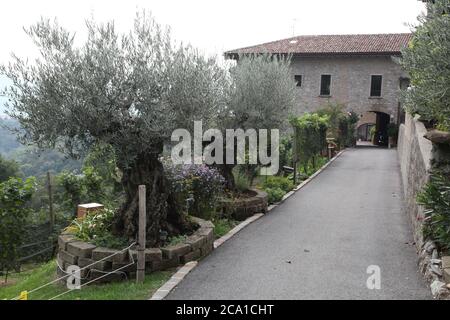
(381, 129)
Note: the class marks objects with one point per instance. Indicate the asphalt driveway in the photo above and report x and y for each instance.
(320, 242)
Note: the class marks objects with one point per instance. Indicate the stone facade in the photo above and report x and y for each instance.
(350, 83)
(95, 261)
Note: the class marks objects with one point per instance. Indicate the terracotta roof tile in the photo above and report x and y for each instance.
(371, 44)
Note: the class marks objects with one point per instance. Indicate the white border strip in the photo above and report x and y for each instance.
(167, 287)
(236, 229)
(163, 291)
(305, 182)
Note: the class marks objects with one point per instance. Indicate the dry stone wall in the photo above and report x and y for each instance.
(96, 262)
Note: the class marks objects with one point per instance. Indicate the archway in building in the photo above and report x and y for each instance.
(372, 128)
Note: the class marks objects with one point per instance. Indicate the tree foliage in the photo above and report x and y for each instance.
(129, 91)
(427, 60)
(8, 169)
(341, 124)
(261, 95)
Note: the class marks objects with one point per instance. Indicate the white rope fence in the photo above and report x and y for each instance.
(92, 264)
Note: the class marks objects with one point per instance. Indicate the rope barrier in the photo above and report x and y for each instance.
(67, 275)
(84, 284)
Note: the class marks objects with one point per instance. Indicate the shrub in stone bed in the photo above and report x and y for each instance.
(96, 229)
(274, 194)
(200, 182)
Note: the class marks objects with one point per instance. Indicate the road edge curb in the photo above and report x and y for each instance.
(305, 182)
(178, 276)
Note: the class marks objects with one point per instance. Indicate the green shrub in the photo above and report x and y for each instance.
(341, 124)
(275, 194)
(87, 187)
(222, 226)
(310, 134)
(8, 169)
(176, 240)
(14, 195)
(277, 182)
(435, 197)
(392, 130)
(96, 228)
(311, 167)
(286, 151)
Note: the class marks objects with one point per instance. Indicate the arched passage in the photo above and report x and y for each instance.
(372, 127)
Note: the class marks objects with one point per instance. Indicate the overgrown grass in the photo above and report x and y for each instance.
(126, 290)
(222, 226)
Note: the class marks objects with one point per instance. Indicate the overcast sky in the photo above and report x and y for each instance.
(211, 25)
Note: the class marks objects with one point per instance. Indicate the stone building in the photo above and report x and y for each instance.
(357, 71)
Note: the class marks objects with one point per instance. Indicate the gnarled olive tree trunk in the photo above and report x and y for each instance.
(163, 213)
(226, 170)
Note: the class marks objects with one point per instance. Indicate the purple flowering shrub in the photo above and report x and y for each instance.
(201, 183)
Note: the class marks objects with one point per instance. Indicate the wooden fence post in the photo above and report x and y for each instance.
(50, 201)
(140, 275)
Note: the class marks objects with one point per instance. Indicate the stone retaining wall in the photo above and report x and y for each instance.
(241, 209)
(415, 155)
(82, 254)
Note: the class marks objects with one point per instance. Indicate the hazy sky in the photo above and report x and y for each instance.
(211, 25)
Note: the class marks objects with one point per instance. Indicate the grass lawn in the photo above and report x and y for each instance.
(126, 290)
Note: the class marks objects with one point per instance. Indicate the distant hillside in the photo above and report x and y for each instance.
(32, 160)
(8, 141)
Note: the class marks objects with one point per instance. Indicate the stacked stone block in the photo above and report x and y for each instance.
(100, 261)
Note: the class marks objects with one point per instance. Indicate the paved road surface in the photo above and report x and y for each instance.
(349, 217)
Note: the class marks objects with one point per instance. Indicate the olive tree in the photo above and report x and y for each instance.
(261, 95)
(129, 91)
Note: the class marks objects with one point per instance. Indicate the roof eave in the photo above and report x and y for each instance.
(235, 55)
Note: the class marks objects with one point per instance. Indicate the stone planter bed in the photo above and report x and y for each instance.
(75, 252)
(241, 209)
